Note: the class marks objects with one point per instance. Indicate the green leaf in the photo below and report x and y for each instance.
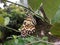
(14, 36)
(31, 39)
(55, 30)
(35, 4)
(10, 42)
(45, 38)
(1, 35)
(7, 19)
(21, 41)
(1, 20)
(3, 1)
(50, 7)
(18, 41)
(56, 18)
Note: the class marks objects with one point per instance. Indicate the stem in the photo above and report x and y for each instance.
(9, 28)
(40, 41)
(21, 6)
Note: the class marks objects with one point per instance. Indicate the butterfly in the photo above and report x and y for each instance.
(28, 26)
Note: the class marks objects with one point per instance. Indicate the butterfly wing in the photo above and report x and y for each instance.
(28, 26)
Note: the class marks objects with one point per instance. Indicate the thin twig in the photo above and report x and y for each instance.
(21, 6)
(9, 28)
(12, 37)
(40, 41)
(30, 9)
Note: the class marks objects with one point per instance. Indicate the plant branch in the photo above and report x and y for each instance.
(40, 41)
(21, 6)
(9, 28)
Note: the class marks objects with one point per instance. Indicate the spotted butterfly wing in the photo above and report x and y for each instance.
(28, 26)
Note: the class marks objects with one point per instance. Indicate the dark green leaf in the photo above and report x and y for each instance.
(56, 18)
(55, 30)
(35, 4)
(1, 20)
(1, 35)
(50, 7)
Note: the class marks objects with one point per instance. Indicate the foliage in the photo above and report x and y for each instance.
(56, 18)
(48, 5)
(1, 35)
(55, 30)
(35, 4)
(13, 16)
(2, 1)
(27, 41)
(52, 10)
(1, 20)
(15, 13)
(51, 7)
